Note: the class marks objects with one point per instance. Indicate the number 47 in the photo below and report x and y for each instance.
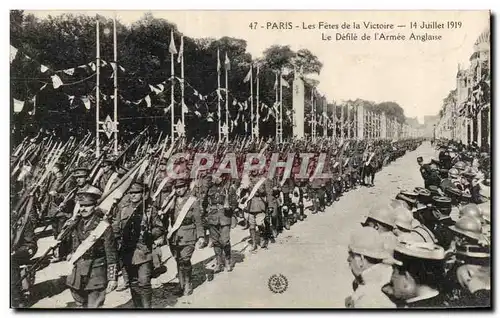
(253, 25)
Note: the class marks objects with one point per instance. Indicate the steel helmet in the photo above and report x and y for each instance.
(470, 227)
(453, 173)
(471, 210)
(460, 165)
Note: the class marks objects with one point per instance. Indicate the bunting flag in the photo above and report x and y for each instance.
(171, 47)
(210, 117)
(276, 83)
(167, 109)
(162, 87)
(43, 68)
(180, 127)
(86, 101)
(249, 75)
(18, 105)
(56, 81)
(43, 86)
(235, 102)
(148, 100)
(284, 83)
(197, 113)
(92, 66)
(181, 50)
(13, 53)
(227, 63)
(154, 89)
(185, 109)
(69, 71)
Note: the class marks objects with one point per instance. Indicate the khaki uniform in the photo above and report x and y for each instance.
(135, 230)
(96, 267)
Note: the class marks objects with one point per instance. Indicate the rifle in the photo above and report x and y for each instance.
(65, 231)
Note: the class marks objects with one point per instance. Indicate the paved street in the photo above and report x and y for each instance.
(312, 256)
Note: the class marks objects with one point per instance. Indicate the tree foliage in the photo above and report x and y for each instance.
(67, 41)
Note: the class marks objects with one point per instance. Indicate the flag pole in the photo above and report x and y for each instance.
(276, 103)
(281, 111)
(172, 77)
(182, 80)
(218, 95)
(227, 102)
(252, 130)
(257, 130)
(98, 63)
(115, 84)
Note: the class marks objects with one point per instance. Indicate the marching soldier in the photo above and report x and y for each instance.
(57, 213)
(256, 203)
(368, 166)
(94, 274)
(221, 202)
(107, 175)
(186, 231)
(136, 227)
(24, 248)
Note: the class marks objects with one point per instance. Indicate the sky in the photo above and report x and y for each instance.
(417, 75)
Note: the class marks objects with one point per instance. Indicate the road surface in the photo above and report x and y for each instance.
(312, 256)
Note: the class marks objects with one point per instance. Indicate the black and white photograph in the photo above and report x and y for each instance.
(265, 159)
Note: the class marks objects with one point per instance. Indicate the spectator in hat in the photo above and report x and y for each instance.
(382, 219)
(370, 261)
(415, 283)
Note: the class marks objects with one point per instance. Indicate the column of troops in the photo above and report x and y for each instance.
(429, 247)
(67, 190)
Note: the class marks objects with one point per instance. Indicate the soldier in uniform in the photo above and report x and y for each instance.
(368, 175)
(24, 248)
(136, 227)
(257, 207)
(94, 274)
(186, 235)
(108, 174)
(58, 214)
(221, 202)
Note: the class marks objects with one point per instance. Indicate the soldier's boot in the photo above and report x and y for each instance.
(146, 297)
(227, 258)
(136, 297)
(188, 287)
(253, 236)
(180, 273)
(219, 265)
(315, 204)
(286, 221)
(123, 282)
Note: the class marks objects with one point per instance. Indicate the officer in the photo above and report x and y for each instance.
(186, 231)
(136, 226)
(416, 282)
(370, 262)
(430, 175)
(221, 202)
(93, 274)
